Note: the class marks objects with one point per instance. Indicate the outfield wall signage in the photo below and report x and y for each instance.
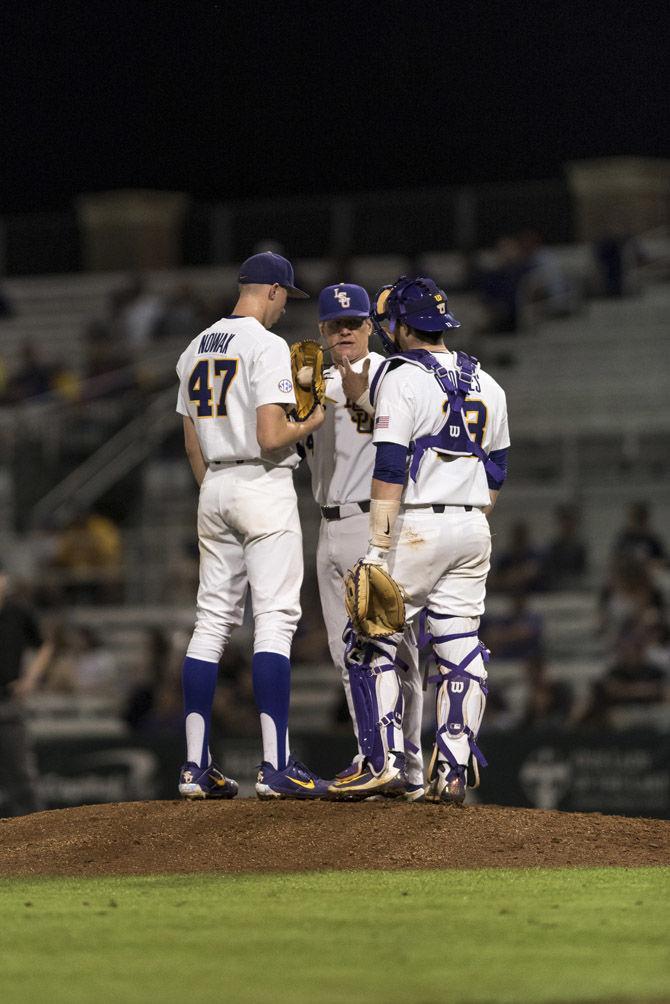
(625, 773)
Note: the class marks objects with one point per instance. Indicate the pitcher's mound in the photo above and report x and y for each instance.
(140, 838)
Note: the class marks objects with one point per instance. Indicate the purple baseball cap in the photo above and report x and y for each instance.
(343, 300)
(268, 268)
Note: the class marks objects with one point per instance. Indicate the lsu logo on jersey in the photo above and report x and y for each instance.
(342, 297)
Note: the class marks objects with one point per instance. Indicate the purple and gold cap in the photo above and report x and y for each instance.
(343, 300)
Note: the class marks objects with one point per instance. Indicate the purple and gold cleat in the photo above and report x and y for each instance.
(365, 783)
(414, 793)
(351, 770)
(294, 781)
(205, 782)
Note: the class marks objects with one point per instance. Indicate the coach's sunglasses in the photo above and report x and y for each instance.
(353, 323)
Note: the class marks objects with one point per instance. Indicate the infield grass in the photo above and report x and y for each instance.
(411, 937)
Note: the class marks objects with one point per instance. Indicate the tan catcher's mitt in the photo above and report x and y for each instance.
(308, 381)
(374, 601)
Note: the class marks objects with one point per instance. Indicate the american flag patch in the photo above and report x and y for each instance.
(382, 422)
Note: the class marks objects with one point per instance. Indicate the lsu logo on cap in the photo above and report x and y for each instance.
(343, 297)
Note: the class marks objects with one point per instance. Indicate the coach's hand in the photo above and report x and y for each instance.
(354, 384)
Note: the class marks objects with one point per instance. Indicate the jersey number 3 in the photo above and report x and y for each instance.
(201, 389)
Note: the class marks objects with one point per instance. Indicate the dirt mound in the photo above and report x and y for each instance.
(139, 838)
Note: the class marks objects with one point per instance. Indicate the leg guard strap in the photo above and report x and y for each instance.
(459, 667)
(449, 756)
(426, 637)
(459, 714)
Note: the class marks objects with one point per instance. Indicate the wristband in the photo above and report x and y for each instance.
(383, 514)
(364, 402)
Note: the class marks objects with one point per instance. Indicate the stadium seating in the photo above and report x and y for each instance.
(588, 422)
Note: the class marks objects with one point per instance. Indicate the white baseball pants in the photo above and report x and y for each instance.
(442, 561)
(249, 535)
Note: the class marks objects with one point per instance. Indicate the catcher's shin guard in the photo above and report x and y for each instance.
(460, 691)
(376, 695)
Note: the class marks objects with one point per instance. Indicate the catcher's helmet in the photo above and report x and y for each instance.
(419, 302)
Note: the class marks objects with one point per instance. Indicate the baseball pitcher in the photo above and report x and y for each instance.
(235, 389)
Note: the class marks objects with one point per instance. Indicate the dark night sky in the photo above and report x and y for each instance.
(244, 99)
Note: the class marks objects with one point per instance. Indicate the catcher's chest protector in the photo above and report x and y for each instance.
(454, 436)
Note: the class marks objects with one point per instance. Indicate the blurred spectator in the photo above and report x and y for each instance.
(32, 378)
(89, 552)
(518, 634)
(310, 644)
(183, 316)
(83, 666)
(617, 254)
(163, 713)
(234, 705)
(544, 290)
(498, 287)
(35, 378)
(564, 561)
(637, 540)
(657, 640)
(6, 305)
(548, 702)
(104, 355)
(628, 597)
(24, 656)
(136, 313)
(519, 567)
(58, 676)
(149, 677)
(500, 712)
(181, 574)
(632, 681)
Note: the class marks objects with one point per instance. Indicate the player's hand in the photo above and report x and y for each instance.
(377, 556)
(354, 384)
(315, 420)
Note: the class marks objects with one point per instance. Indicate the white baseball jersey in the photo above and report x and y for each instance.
(227, 372)
(410, 403)
(340, 454)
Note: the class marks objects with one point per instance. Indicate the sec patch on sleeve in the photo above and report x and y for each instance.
(285, 386)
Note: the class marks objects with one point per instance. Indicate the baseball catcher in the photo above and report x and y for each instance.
(308, 379)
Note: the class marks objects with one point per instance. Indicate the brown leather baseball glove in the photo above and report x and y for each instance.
(374, 601)
(308, 380)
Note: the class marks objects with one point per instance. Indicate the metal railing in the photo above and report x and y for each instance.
(111, 462)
